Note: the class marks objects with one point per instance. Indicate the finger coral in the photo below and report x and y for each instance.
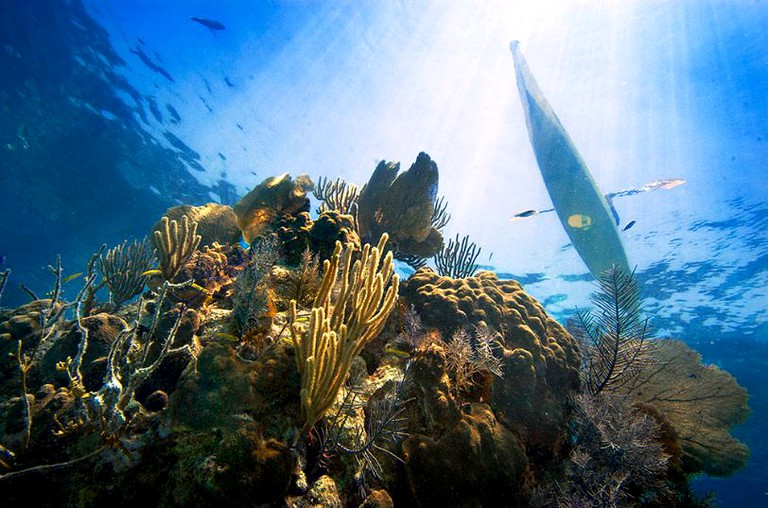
(215, 223)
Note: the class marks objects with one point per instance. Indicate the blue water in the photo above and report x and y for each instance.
(111, 112)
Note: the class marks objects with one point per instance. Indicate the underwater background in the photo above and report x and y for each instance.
(114, 111)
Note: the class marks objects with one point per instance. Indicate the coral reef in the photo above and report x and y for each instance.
(457, 259)
(341, 325)
(102, 329)
(301, 372)
(336, 195)
(618, 457)
(474, 456)
(403, 206)
(298, 233)
(122, 269)
(274, 198)
(541, 360)
(175, 242)
(700, 402)
(26, 324)
(215, 223)
(613, 337)
(214, 271)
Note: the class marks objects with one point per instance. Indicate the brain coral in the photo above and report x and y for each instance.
(541, 359)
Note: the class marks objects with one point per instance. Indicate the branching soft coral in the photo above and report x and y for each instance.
(346, 315)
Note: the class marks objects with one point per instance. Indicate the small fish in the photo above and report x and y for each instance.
(206, 104)
(304, 318)
(6, 458)
(72, 277)
(211, 24)
(664, 184)
(198, 287)
(226, 336)
(629, 225)
(524, 214)
(151, 273)
(397, 352)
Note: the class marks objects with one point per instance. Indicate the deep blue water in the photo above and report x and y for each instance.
(111, 113)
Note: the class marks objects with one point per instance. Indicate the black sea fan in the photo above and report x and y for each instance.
(457, 259)
(613, 335)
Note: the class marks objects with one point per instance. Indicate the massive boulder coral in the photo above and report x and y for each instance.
(274, 198)
(468, 464)
(25, 325)
(456, 454)
(541, 359)
(215, 223)
(102, 330)
(231, 416)
(402, 206)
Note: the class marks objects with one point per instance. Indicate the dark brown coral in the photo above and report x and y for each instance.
(214, 270)
(401, 205)
(299, 232)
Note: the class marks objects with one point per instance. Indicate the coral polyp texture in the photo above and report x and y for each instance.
(541, 360)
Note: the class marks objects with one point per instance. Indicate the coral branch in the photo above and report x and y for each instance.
(337, 195)
(122, 268)
(346, 315)
(175, 245)
(457, 259)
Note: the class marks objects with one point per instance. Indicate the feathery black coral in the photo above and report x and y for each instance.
(614, 334)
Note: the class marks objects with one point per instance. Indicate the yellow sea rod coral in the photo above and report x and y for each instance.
(341, 323)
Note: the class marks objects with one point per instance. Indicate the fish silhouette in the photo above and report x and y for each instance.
(211, 24)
